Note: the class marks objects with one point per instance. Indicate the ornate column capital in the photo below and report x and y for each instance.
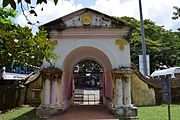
(116, 75)
(121, 73)
(51, 73)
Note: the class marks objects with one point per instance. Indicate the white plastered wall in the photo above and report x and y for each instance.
(108, 46)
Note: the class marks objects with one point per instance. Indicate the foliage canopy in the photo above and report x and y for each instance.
(12, 3)
(162, 45)
(19, 46)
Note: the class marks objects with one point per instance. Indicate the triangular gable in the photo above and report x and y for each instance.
(86, 17)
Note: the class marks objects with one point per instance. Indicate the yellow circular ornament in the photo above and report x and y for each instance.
(86, 18)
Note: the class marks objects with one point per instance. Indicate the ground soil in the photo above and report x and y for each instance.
(85, 112)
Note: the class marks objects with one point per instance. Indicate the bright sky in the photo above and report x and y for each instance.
(159, 11)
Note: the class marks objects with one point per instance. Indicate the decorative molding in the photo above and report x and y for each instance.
(116, 75)
(121, 73)
(51, 73)
(89, 33)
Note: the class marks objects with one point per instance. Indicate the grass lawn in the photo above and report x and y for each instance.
(23, 113)
(144, 113)
(159, 112)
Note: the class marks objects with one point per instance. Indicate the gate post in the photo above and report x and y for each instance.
(51, 102)
(121, 105)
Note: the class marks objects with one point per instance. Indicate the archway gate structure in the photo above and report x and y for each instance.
(88, 34)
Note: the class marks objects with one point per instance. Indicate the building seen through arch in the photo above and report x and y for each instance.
(88, 83)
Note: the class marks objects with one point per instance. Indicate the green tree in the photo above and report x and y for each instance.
(162, 45)
(12, 3)
(176, 13)
(26, 5)
(18, 44)
(6, 15)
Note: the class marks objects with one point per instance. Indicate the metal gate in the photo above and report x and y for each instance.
(86, 97)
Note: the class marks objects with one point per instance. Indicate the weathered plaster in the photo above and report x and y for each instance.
(94, 40)
(141, 93)
(66, 90)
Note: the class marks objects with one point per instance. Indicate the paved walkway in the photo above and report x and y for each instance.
(85, 112)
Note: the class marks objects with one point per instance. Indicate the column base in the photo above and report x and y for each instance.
(126, 112)
(46, 112)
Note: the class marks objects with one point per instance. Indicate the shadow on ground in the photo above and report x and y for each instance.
(31, 115)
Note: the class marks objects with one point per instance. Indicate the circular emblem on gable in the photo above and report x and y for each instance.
(86, 18)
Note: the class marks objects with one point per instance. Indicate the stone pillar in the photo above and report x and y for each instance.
(122, 106)
(117, 105)
(119, 93)
(46, 89)
(127, 92)
(59, 92)
(54, 93)
(50, 104)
